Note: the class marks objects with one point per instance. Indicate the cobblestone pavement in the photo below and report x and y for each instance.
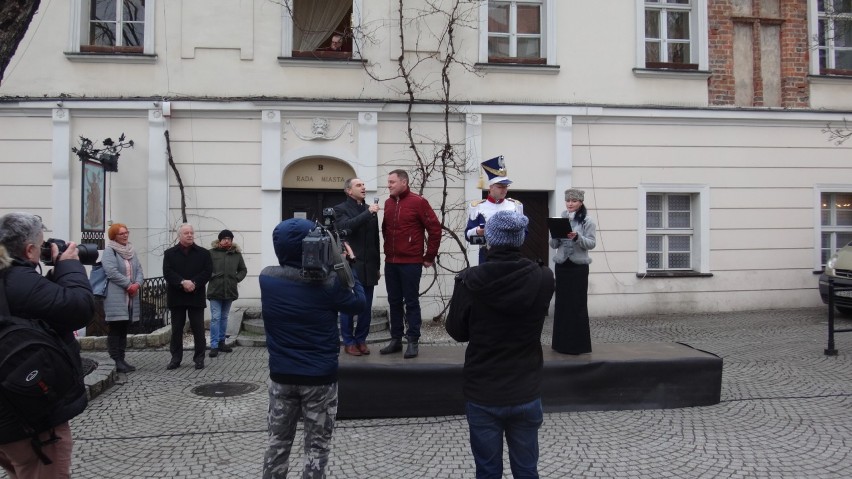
(786, 411)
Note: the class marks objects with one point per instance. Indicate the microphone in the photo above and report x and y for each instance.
(375, 202)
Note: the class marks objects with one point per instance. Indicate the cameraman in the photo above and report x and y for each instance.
(300, 318)
(64, 301)
(362, 234)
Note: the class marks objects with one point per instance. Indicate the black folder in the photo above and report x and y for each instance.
(559, 227)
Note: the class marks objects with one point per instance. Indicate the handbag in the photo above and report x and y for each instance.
(98, 280)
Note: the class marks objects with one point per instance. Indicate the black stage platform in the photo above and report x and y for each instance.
(614, 376)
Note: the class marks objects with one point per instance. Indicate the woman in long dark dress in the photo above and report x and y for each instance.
(571, 333)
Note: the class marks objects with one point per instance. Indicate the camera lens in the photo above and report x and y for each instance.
(88, 253)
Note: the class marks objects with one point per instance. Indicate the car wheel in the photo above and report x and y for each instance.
(844, 310)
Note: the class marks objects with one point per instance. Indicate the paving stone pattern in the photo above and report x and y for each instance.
(786, 412)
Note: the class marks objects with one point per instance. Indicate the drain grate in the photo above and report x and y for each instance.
(224, 390)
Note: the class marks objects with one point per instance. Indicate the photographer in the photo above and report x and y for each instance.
(64, 301)
(300, 319)
(362, 227)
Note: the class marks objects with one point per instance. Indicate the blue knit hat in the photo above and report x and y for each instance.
(506, 228)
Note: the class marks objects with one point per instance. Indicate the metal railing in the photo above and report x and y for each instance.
(832, 289)
(155, 312)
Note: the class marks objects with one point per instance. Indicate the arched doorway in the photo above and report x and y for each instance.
(311, 184)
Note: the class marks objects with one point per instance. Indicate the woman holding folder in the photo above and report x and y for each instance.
(571, 333)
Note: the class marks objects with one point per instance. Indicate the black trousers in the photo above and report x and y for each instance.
(571, 333)
(196, 325)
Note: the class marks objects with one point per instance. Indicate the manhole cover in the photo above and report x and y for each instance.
(224, 390)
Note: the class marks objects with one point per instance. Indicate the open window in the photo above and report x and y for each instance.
(319, 29)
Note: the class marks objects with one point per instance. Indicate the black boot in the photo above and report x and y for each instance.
(122, 348)
(394, 346)
(225, 348)
(113, 349)
(412, 350)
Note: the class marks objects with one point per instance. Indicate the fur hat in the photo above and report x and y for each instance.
(574, 194)
(506, 228)
(226, 234)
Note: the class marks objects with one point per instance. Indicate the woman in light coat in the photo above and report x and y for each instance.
(571, 334)
(121, 305)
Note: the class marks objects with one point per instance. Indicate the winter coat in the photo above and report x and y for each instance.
(229, 268)
(63, 300)
(115, 303)
(499, 307)
(362, 234)
(576, 250)
(300, 315)
(405, 219)
(196, 266)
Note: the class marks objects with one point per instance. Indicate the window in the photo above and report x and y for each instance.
(320, 30)
(517, 32)
(834, 34)
(835, 223)
(672, 34)
(673, 230)
(114, 28)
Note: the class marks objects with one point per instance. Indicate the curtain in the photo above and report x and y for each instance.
(314, 21)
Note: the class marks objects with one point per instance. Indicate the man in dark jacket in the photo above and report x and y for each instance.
(229, 269)
(187, 268)
(499, 307)
(407, 216)
(361, 225)
(63, 300)
(300, 319)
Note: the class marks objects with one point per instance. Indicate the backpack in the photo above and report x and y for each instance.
(39, 372)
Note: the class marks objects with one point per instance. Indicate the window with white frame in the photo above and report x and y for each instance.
(672, 34)
(674, 229)
(320, 29)
(123, 27)
(835, 222)
(834, 36)
(517, 31)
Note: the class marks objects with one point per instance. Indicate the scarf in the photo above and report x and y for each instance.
(125, 251)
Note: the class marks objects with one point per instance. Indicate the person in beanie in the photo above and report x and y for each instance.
(499, 307)
(571, 334)
(300, 319)
(228, 270)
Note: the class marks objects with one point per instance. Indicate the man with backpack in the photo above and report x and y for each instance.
(34, 443)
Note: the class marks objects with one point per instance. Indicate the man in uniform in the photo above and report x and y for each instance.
(481, 210)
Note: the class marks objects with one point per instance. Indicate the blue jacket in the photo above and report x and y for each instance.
(300, 315)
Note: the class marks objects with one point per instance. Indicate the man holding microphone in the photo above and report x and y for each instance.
(359, 227)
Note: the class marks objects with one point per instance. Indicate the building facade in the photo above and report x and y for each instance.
(700, 129)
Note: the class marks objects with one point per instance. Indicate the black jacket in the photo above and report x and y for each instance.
(499, 307)
(63, 300)
(196, 266)
(362, 229)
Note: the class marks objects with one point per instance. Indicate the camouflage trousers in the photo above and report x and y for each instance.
(317, 405)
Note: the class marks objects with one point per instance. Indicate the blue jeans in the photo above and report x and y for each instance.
(520, 424)
(355, 332)
(403, 284)
(219, 310)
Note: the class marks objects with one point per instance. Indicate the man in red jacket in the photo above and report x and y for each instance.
(408, 218)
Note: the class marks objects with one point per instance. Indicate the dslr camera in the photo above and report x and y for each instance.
(322, 252)
(88, 253)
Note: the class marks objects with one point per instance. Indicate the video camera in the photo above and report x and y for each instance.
(322, 252)
(88, 253)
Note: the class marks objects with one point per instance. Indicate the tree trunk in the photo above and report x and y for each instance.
(15, 18)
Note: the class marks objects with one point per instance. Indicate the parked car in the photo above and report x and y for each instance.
(839, 268)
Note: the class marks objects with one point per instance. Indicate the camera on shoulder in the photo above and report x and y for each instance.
(322, 252)
(88, 253)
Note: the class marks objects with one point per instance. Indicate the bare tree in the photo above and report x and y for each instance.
(15, 19)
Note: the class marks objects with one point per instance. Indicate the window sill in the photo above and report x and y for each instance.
(671, 73)
(323, 61)
(674, 274)
(518, 68)
(829, 79)
(110, 57)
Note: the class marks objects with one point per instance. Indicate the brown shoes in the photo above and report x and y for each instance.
(363, 348)
(352, 349)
